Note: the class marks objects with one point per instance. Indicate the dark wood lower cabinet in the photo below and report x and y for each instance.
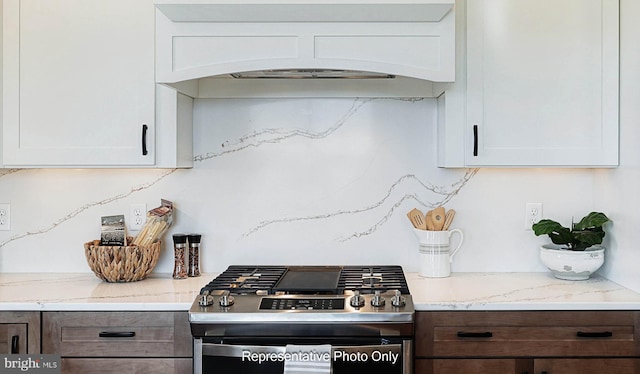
(529, 366)
(459, 366)
(544, 342)
(119, 342)
(128, 366)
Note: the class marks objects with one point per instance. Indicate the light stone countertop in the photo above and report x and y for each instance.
(518, 291)
(460, 291)
(85, 292)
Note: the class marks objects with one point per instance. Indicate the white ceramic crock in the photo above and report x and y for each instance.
(435, 254)
(572, 265)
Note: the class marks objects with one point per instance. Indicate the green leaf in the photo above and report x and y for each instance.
(545, 227)
(557, 233)
(590, 237)
(562, 236)
(591, 220)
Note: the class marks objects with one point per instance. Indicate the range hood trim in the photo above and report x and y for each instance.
(305, 11)
(310, 74)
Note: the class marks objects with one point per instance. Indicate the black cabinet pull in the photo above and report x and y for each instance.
(475, 140)
(117, 334)
(15, 349)
(595, 334)
(484, 334)
(144, 139)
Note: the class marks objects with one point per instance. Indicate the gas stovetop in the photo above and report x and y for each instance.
(332, 294)
(328, 280)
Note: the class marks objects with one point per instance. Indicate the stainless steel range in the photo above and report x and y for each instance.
(288, 319)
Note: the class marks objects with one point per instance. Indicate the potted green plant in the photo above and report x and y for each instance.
(576, 252)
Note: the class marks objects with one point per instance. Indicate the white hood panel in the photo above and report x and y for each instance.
(412, 40)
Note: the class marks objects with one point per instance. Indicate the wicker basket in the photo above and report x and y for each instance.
(121, 264)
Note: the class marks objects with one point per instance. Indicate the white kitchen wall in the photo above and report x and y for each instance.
(616, 190)
(329, 181)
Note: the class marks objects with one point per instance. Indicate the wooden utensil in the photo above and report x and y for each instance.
(437, 217)
(448, 219)
(417, 219)
(429, 221)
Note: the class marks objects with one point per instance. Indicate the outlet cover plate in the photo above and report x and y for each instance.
(5, 217)
(137, 216)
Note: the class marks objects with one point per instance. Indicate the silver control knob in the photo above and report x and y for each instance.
(397, 300)
(225, 300)
(377, 300)
(356, 301)
(205, 299)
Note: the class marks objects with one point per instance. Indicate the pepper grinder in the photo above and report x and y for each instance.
(194, 255)
(180, 252)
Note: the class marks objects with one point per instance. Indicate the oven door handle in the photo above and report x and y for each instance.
(240, 351)
(228, 350)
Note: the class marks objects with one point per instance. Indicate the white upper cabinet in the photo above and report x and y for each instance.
(541, 84)
(79, 85)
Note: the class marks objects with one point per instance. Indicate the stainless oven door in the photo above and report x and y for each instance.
(357, 357)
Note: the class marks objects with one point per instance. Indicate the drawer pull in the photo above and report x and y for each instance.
(15, 349)
(122, 334)
(485, 334)
(596, 334)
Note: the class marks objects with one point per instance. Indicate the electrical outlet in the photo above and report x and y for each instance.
(5, 217)
(137, 216)
(532, 214)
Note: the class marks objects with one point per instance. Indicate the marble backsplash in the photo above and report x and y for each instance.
(295, 181)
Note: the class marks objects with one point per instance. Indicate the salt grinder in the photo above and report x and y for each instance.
(180, 252)
(194, 255)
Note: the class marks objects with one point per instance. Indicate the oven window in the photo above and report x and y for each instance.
(252, 359)
(236, 365)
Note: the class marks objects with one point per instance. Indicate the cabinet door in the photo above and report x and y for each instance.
(542, 83)
(78, 82)
(587, 365)
(19, 332)
(129, 366)
(13, 338)
(475, 366)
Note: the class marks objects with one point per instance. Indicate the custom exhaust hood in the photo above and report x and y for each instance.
(258, 48)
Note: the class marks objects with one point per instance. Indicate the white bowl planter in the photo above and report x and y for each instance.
(572, 265)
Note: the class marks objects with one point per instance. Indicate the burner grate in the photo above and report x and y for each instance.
(368, 279)
(246, 279)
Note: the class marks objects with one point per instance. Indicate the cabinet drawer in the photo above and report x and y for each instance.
(529, 341)
(518, 334)
(117, 334)
(129, 365)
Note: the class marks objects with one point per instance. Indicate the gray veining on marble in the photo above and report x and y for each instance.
(77, 211)
(447, 194)
(277, 135)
